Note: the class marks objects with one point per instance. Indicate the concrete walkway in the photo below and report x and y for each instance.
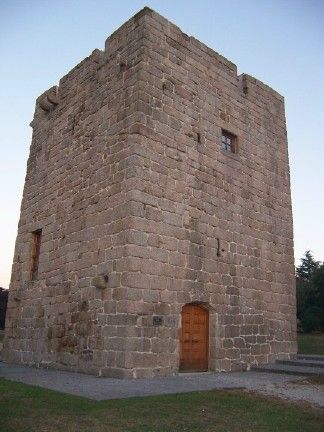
(288, 387)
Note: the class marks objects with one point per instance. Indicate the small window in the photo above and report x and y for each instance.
(229, 142)
(36, 243)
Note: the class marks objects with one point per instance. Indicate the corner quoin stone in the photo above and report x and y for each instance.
(142, 212)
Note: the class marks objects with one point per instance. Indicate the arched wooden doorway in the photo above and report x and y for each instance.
(194, 338)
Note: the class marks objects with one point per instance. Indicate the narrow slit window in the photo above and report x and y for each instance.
(36, 243)
(229, 142)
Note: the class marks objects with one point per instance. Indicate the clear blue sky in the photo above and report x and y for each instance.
(281, 42)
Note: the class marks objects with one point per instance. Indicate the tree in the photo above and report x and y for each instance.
(317, 283)
(310, 293)
(307, 267)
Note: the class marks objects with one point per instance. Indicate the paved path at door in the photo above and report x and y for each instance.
(284, 386)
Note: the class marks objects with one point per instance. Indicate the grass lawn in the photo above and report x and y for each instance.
(28, 408)
(312, 343)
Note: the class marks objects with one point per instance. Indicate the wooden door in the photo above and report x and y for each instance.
(194, 338)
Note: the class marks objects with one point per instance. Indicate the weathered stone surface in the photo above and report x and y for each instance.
(100, 282)
(126, 178)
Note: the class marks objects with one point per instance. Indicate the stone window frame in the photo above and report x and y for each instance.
(228, 142)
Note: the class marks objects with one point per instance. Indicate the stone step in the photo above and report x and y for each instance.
(288, 369)
(311, 357)
(302, 362)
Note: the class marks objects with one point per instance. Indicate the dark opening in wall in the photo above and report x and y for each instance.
(3, 306)
(229, 142)
(35, 249)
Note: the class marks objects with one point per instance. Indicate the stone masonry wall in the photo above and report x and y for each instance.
(142, 212)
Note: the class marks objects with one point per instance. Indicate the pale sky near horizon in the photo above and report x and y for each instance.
(280, 42)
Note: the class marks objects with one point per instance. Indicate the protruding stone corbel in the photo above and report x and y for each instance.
(244, 83)
(49, 100)
(97, 56)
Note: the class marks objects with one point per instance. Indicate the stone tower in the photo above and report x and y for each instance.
(156, 226)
